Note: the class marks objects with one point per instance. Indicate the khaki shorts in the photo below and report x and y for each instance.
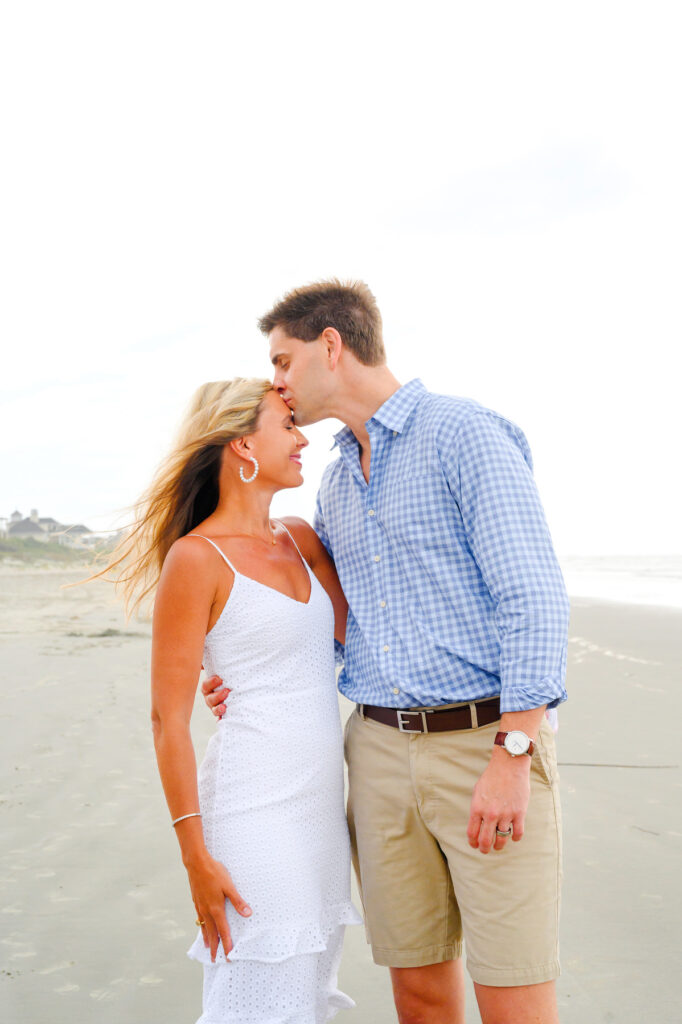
(424, 889)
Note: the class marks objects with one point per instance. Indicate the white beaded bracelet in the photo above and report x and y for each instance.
(194, 814)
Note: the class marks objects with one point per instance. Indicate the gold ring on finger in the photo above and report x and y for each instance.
(200, 923)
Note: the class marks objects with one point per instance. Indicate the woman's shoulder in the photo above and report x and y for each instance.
(190, 577)
(190, 553)
(305, 537)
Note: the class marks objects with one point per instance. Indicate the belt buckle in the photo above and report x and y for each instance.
(403, 728)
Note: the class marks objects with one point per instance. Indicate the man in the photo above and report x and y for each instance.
(455, 648)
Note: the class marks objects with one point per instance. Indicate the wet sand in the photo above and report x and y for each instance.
(95, 914)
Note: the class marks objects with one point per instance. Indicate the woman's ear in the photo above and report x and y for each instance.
(241, 446)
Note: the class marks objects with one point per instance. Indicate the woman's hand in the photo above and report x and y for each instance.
(211, 885)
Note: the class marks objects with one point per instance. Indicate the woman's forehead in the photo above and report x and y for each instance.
(275, 402)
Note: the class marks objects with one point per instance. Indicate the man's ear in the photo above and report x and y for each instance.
(333, 346)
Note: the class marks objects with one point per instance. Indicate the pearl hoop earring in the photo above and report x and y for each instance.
(249, 479)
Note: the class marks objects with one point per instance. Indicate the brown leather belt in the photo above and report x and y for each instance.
(447, 719)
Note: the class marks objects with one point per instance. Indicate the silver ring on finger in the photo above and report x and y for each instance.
(504, 835)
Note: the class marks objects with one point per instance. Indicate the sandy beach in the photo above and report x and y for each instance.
(95, 914)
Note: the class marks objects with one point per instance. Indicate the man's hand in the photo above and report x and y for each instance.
(500, 801)
(501, 795)
(215, 695)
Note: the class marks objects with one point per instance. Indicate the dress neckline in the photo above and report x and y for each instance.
(281, 593)
(258, 583)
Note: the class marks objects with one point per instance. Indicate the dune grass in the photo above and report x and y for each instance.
(26, 551)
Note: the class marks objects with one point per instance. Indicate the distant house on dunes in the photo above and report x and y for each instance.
(44, 529)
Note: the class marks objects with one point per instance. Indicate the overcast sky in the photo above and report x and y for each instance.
(506, 177)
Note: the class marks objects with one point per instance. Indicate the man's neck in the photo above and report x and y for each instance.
(364, 392)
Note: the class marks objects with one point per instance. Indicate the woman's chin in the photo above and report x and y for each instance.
(293, 479)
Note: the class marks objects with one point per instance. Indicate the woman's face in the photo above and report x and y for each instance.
(277, 443)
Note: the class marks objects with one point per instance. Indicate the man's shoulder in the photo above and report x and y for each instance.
(454, 409)
(457, 426)
(331, 474)
(444, 417)
(332, 468)
(450, 413)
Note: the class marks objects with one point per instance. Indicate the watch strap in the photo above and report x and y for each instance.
(501, 737)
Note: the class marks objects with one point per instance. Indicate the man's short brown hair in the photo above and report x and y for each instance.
(348, 306)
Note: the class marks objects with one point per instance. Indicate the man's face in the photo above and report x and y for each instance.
(302, 375)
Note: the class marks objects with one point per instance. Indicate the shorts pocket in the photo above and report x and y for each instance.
(346, 731)
(543, 762)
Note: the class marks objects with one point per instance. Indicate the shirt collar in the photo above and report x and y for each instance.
(393, 414)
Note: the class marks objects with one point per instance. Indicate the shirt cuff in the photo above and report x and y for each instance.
(339, 653)
(516, 698)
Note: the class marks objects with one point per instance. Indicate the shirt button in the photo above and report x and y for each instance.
(376, 558)
(395, 433)
(383, 604)
(386, 648)
(371, 512)
(396, 690)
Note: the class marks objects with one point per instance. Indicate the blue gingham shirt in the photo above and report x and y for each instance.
(453, 586)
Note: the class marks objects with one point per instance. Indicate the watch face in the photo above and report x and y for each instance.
(517, 742)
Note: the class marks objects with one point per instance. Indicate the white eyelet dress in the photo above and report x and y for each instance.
(271, 797)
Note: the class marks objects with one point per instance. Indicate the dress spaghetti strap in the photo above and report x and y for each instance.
(292, 541)
(221, 553)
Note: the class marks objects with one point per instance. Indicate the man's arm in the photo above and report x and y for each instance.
(510, 541)
(490, 474)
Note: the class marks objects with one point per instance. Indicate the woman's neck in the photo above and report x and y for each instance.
(244, 513)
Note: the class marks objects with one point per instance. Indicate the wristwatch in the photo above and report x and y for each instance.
(515, 743)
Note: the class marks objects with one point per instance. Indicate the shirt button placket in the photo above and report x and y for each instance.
(374, 538)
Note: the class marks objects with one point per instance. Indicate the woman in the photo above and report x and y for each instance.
(262, 831)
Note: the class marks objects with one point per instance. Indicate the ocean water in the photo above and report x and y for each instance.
(629, 579)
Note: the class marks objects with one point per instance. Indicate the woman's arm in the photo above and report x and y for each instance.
(184, 600)
(315, 554)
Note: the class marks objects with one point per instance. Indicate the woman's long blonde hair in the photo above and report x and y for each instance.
(184, 490)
